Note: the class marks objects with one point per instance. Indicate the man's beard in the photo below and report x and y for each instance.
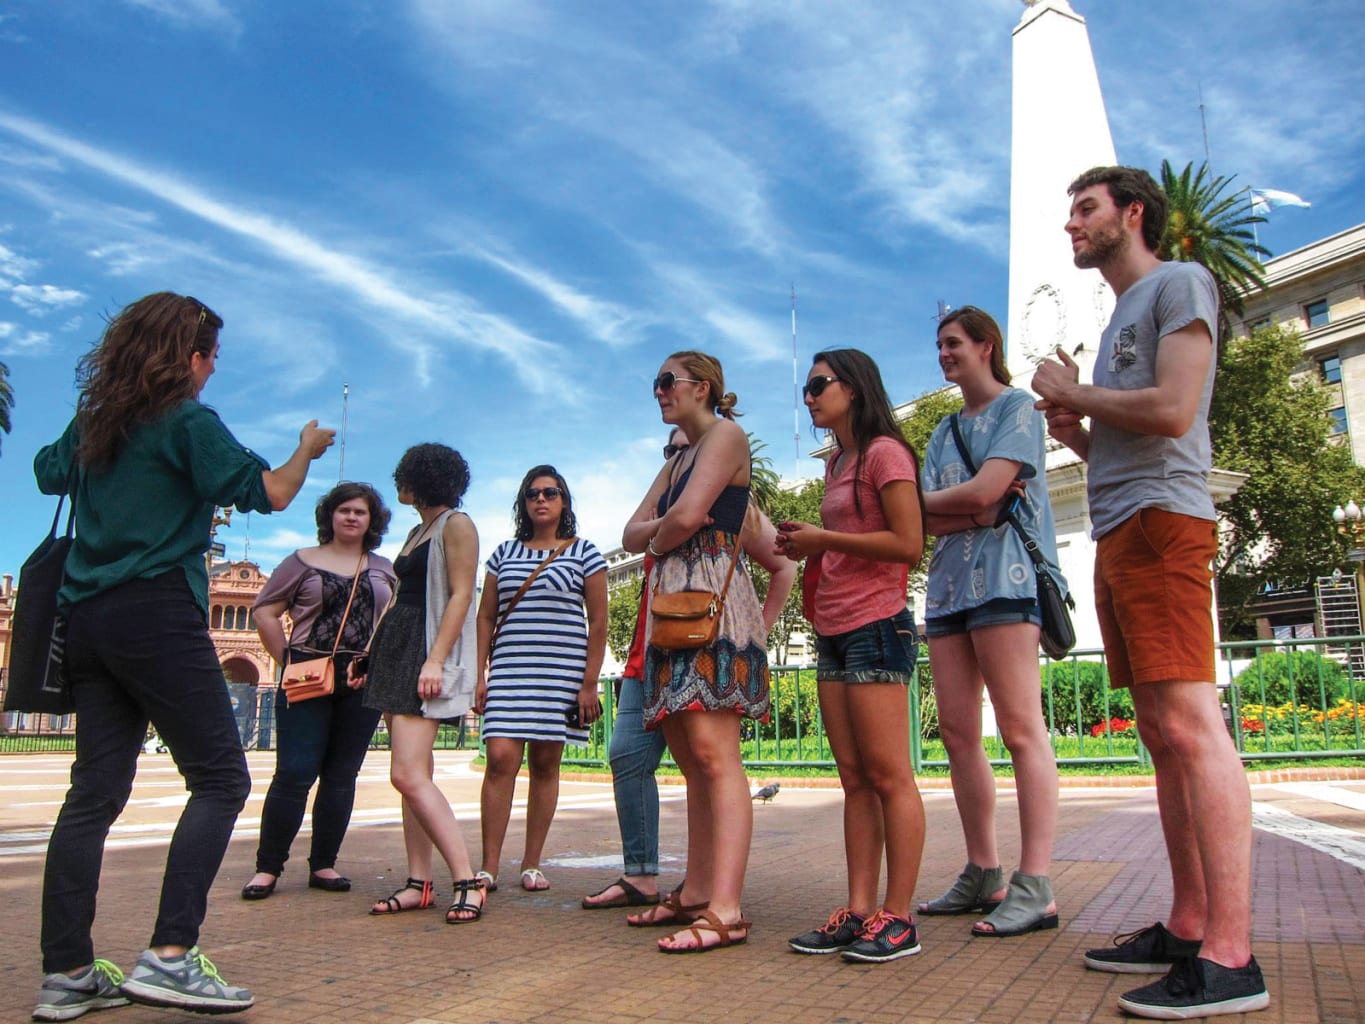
(1101, 247)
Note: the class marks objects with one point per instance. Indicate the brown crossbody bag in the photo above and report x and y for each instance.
(317, 677)
(688, 619)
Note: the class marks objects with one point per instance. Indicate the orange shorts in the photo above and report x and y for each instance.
(1154, 598)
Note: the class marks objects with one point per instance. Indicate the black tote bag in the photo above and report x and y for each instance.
(36, 681)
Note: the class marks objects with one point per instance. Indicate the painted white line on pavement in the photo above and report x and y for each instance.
(1325, 793)
(1341, 843)
(29, 841)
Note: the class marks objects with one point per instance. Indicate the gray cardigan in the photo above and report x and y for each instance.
(459, 675)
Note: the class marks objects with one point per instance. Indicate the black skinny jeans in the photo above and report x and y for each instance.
(136, 653)
(323, 740)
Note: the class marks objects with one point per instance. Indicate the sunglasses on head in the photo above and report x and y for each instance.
(666, 380)
(671, 450)
(815, 387)
(551, 493)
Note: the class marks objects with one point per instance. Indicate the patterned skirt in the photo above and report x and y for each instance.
(732, 673)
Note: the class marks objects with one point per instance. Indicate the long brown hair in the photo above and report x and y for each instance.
(139, 369)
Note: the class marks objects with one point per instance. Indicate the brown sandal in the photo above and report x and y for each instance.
(392, 905)
(678, 914)
(709, 922)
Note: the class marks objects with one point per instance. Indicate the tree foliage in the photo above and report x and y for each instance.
(917, 428)
(623, 607)
(1214, 228)
(802, 504)
(1294, 677)
(1272, 423)
(6, 399)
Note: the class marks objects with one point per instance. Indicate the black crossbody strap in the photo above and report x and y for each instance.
(1040, 563)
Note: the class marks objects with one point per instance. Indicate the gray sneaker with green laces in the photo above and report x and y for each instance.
(188, 982)
(62, 997)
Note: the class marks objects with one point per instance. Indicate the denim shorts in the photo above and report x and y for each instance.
(1003, 611)
(879, 652)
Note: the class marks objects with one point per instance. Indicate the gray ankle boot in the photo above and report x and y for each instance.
(970, 894)
(1023, 910)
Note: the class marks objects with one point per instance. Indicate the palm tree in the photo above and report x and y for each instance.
(1208, 227)
(6, 398)
(763, 479)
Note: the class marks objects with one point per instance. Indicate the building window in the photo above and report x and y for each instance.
(1331, 370)
(1338, 416)
(241, 618)
(216, 621)
(1262, 324)
(1315, 313)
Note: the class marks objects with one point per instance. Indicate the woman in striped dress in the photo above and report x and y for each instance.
(539, 661)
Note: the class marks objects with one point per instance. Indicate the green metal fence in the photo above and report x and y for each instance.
(1282, 699)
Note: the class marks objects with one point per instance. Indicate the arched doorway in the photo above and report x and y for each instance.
(242, 675)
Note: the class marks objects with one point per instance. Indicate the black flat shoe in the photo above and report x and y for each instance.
(329, 884)
(258, 892)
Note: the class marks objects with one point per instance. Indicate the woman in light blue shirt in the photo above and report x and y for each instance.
(982, 621)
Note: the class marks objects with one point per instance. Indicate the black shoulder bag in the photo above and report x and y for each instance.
(36, 680)
(1057, 635)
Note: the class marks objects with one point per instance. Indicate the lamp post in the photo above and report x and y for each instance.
(1350, 523)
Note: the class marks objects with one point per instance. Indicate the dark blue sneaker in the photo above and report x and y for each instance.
(836, 934)
(65, 998)
(1146, 951)
(884, 937)
(1199, 988)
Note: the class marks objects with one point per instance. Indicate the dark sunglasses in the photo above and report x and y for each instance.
(551, 493)
(666, 380)
(671, 450)
(815, 387)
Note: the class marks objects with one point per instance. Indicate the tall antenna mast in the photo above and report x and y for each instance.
(1204, 127)
(796, 396)
(345, 400)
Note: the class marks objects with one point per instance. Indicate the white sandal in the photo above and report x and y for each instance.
(532, 879)
(490, 883)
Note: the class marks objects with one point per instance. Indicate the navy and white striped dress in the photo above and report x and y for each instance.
(542, 650)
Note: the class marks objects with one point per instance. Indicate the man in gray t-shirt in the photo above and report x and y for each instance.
(1148, 453)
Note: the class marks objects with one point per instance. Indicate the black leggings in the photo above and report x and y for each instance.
(141, 652)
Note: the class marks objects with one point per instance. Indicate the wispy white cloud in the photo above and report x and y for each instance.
(606, 321)
(600, 88)
(17, 341)
(757, 335)
(881, 84)
(441, 314)
(192, 13)
(41, 299)
(14, 266)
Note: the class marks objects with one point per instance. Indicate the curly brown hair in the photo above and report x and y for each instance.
(139, 369)
(338, 496)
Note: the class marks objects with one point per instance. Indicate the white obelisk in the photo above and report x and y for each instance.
(1059, 130)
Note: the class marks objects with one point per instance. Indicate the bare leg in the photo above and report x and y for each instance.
(1217, 811)
(863, 826)
(714, 741)
(957, 687)
(423, 800)
(699, 880)
(543, 758)
(501, 764)
(880, 717)
(1008, 656)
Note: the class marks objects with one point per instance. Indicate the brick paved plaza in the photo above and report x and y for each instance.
(315, 956)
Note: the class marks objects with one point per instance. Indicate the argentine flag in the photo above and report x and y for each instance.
(1263, 200)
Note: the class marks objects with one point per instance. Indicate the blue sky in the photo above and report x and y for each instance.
(494, 218)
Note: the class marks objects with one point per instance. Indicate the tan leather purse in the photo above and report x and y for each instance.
(316, 677)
